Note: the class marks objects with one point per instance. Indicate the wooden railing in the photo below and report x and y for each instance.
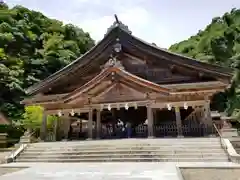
(222, 141)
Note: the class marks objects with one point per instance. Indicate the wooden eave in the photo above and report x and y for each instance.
(138, 45)
(129, 79)
(82, 62)
(43, 99)
(128, 41)
(196, 86)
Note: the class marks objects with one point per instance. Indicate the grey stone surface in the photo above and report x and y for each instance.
(96, 171)
(6, 170)
(101, 171)
(226, 173)
(127, 150)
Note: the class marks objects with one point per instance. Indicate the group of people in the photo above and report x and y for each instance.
(120, 129)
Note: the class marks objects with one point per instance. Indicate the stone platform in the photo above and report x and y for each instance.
(127, 150)
(104, 171)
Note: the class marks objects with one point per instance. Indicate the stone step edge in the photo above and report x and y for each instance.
(138, 140)
(134, 143)
(128, 152)
(120, 147)
(129, 146)
(129, 149)
(119, 152)
(106, 155)
(124, 141)
(122, 159)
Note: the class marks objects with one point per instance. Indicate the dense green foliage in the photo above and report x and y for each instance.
(218, 43)
(32, 47)
(32, 118)
(14, 132)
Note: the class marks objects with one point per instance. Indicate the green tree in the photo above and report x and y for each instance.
(218, 43)
(33, 47)
(32, 118)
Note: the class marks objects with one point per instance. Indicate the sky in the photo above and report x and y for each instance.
(163, 22)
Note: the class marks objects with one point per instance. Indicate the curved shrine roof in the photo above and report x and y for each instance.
(127, 40)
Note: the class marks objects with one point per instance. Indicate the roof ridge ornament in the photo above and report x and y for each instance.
(118, 23)
(113, 62)
(116, 19)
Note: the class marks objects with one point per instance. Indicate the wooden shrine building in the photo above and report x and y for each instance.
(124, 78)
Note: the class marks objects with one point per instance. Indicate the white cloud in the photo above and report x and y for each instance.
(96, 16)
(135, 18)
(159, 21)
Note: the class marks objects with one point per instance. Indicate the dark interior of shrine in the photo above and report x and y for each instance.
(137, 116)
(164, 121)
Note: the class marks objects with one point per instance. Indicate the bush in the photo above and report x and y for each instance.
(14, 133)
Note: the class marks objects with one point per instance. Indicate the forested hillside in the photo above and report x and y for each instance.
(32, 47)
(218, 43)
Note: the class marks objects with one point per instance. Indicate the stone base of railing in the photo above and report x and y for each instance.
(151, 137)
(180, 136)
(229, 132)
(25, 139)
(233, 155)
(15, 153)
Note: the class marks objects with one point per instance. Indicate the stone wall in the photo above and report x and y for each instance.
(210, 173)
(3, 140)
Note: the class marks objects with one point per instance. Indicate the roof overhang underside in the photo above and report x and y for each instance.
(114, 84)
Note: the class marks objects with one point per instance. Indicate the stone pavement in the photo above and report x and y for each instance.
(102, 171)
(3, 156)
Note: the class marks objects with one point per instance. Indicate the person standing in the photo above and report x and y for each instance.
(129, 129)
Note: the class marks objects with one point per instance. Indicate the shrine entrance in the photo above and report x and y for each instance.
(113, 123)
(124, 80)
(116, 122)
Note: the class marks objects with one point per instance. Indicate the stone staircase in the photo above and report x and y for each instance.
(127, 150)
(236, 144)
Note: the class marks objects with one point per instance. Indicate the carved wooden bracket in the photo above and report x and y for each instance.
(113, 62)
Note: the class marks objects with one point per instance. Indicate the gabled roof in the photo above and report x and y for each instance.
(115, 74)
(129, 41)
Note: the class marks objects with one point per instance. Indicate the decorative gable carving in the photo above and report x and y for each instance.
(119, 92)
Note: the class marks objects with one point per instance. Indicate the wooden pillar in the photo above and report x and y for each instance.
(150, 121)
(66, 123)
(155, 118)
(98, 124)
(207, 114)
(43, 130)
(81, 124)
(178, 121)
(55, 129)
(90, 120)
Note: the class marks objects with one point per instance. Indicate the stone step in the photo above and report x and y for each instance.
(150, 155)
(127, 142)
(213, 149)
(107, 151)
(127, 150)
(120, 143)
(126, 146)
(127, 160)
